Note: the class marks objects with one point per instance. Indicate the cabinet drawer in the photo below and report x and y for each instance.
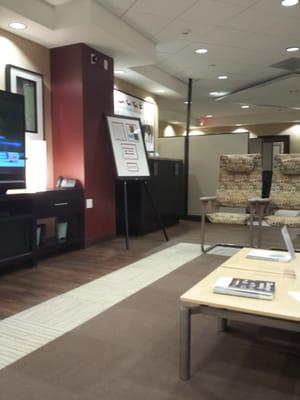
(57, 204)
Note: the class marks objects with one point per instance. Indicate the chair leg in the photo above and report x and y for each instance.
(251, 225)
(202, 239)
(260, 218)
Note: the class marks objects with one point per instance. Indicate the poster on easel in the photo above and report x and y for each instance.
(128, 147)
(131, 106)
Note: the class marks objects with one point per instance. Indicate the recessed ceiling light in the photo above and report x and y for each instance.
(160, 91)
(201, 51)
(119, 71)
(245, 106)
(208, 116)
(292, 49)
(289, 3)
(222, 77)
(17, 25)
(218, 94)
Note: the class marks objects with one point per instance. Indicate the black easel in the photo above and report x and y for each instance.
(130, 156)
(156, 213)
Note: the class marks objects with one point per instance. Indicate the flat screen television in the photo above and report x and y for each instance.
(12, 141)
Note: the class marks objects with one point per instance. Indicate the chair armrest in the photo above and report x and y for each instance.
(258, 206)
(208, 204)
(259, 200)
(208, 198)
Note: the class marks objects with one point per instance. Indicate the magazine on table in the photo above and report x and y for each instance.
(257, 289)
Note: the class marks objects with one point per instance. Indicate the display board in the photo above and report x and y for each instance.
(128, 147)
(131, 106)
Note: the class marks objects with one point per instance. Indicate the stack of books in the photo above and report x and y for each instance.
(245, 287)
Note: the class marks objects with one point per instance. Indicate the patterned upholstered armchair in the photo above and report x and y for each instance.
(240, 180)
(285, 192)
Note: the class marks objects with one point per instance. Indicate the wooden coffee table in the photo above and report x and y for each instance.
(282, 312)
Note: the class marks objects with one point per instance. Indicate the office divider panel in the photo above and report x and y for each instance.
(171, 147)
(204, 156)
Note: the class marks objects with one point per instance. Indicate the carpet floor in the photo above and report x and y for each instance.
(27, 331)
(130, 352)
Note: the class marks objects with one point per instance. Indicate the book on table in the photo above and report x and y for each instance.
(245, 287)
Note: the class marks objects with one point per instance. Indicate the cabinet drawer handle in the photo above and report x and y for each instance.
(61, 204)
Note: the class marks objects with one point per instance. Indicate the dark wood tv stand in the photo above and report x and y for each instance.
(20, 217)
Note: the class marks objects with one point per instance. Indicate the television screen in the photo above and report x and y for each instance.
(12, 141)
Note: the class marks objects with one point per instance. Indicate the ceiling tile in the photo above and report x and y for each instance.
(280, 92)
(161, 56)
(243, 3)
(116, 7)
(213, 11)
(171, 47)
(229, 65)
(259, 17)
(121, 4)
(118, 12)
(180, 29)
(289, 29)
(146, 23)
(57, 2)
(225, 55)
(246, 40)
(251, 22)
(166, 8)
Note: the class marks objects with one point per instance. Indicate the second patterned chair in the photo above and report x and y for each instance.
(285, 192)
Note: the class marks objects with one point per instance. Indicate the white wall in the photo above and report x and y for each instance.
(280, 129)
(26, 54)
(294, 132)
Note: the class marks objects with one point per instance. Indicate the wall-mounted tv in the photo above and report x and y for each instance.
(12, 141)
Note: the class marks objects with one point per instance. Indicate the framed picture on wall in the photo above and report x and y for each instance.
(30, 85)
(131, 106)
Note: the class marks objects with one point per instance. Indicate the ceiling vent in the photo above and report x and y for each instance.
(291, 64)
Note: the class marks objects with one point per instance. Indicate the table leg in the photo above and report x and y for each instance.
(185, 343)
(223, 324)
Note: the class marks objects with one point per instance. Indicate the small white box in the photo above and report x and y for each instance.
(62, 228)
(89, 203)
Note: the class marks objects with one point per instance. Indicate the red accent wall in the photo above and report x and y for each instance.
(82, 93)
